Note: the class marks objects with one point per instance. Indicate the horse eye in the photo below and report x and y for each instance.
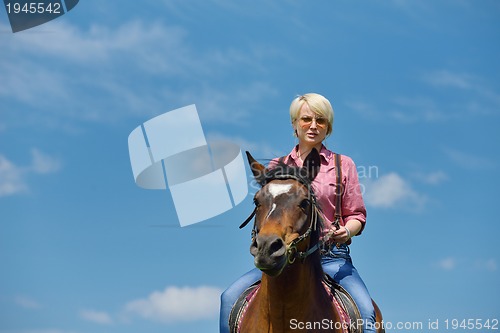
(256, 202)
(304, 204)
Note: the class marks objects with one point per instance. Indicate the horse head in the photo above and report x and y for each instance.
(287, 222)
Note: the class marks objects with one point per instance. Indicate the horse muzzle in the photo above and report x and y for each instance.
(269, 253)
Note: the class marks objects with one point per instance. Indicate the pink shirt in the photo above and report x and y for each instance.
(324, 186)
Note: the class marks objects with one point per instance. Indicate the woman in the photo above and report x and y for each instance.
(312, 119)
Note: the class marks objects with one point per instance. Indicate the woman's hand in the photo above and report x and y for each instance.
(344, 233)
(340, 236)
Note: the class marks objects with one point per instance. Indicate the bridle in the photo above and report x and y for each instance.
(291, 249)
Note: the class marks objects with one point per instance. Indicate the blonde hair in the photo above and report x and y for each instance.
(317, 104)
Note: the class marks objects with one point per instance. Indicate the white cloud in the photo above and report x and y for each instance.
(175, 72)
(478, 264)
(177, 304)
(474, 96)
(43, 163)
(478, 97)
(52, 89)
(487, 264)
(446, 78)
(262, 149)
(417, 109)
(13, 178)
(468, 160)
(403, 109)
(363, 109)
(432, 178)
(26, 302)
(447, 264)
(436, 177)
(98, 317)
(99, 44)
(390, 191)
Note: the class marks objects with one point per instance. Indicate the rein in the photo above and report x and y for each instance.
(291, 248)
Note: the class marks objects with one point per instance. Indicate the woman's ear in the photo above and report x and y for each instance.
(294, 130)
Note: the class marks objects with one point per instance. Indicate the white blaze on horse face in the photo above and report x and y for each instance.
(277, 189)
(271, 211)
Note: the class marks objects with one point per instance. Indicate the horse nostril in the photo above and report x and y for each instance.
(254, 247)
(267, 246)
(277, 247)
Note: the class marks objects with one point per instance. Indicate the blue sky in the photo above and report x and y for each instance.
(416, 91)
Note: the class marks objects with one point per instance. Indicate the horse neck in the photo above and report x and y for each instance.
(297, 293)
(295, 289)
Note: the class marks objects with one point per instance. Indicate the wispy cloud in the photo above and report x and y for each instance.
(490, 265)
(445, 78)
(43, 163)
(171, 69)
(257, 149)
(472, 96)
(391, 191)
(446, 264)
(26, 302)
(478, 97)
(98, 317)
(364, 109)
(13, 178)
(431, 178)
(478, 264)
(401, 109)
(418, 109)
(177, 304)
(468, 160)
(99, 44)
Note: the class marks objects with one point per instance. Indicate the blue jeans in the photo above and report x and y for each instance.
(337, 263)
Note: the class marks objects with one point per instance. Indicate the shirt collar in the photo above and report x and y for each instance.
(326, 154)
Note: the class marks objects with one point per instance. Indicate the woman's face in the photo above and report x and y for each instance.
(310, 128)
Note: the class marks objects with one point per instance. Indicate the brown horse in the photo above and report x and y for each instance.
(285, 244)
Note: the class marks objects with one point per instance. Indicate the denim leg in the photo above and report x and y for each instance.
(231, 294)
(339, 267)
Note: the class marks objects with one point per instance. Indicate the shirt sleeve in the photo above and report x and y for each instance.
(353, 206)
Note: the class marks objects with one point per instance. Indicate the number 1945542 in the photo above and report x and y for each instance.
(33, 8)
(471, 324)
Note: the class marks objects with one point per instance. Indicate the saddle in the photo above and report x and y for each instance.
(343, 301)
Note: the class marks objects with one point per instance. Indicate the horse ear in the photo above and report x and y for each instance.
(258, 169)
(312, 164)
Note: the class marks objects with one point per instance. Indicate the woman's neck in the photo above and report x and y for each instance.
(304, 150)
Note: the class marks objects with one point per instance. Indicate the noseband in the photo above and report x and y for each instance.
(291, 249)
